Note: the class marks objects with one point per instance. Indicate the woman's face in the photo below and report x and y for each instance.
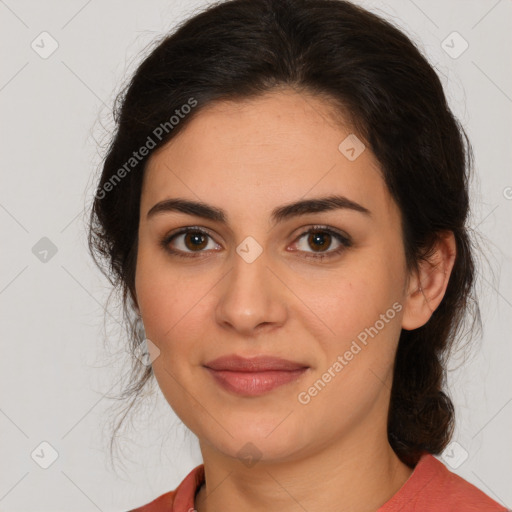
(255, 284)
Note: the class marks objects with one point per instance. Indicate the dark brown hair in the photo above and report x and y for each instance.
(377, 79)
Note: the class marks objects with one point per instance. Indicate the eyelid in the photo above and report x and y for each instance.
(304, 230)
(186, 229)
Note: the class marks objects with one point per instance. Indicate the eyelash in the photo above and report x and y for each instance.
(344, 241)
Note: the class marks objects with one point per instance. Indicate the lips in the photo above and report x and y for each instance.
(255, 364)
(254, 376)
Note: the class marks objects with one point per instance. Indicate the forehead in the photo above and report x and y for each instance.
(257, 154)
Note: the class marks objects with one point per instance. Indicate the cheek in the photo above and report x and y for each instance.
(359, 348)
(346, 305)
(358, 314)
(159, 295)
(172, 304)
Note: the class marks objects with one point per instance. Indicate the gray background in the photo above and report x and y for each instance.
(55, 370)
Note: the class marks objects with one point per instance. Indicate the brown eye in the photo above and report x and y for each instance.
(189, 241)
(195, 240)
(319, 240)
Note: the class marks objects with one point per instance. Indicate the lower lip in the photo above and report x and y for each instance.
(254, 383)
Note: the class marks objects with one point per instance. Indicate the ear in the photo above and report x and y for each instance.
(427, 286)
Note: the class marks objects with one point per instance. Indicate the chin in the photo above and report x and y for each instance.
(255, 441)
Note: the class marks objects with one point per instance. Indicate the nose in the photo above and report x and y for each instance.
(253, 298)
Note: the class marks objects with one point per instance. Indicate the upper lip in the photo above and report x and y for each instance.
(254, 364)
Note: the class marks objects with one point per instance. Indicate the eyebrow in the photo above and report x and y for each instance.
(279, 214)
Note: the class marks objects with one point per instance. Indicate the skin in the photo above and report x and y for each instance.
(331, 454)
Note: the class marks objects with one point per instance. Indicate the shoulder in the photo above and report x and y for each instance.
(165, 502)
(181, 499)
(433, 487)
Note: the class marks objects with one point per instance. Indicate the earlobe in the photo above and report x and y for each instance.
(428, 285)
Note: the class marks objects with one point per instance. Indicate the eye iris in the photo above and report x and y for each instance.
(198, 241)
(318, 237)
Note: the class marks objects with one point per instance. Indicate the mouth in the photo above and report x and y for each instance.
(254, 376)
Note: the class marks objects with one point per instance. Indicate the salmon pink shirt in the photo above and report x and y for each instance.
(430, 488)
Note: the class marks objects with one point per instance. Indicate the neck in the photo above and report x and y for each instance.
(342, 477)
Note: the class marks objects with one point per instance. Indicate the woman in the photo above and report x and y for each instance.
(284, 206)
